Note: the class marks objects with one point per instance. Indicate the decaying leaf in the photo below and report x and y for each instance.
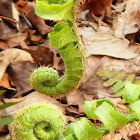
(76, 98)
(19, 74)
(98, 7)
(17, 40)
(103, 42)
(4, 31)
(103, 46)
(128, 22)
(6, 11)
(41, 54)
(32, 98)
(16, 55)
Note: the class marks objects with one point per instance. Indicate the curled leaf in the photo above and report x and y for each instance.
(107, 113)
(130, 92)
(135, 108)
(82, 129)
(90, 106)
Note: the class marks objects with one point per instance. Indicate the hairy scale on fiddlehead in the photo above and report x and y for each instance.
(65, 39)
(38, 121)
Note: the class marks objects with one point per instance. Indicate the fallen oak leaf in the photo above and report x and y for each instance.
(17, 40)
(12, 55)
(76, 98)
(4, 31)
(103, 42)
(128, 22)
(42, 55)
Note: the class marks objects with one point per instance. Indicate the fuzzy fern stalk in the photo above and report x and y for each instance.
(64, 38)
(38, 122)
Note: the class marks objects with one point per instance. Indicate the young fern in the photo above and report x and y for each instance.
(64, 38)
(38, 121)
(46, 122)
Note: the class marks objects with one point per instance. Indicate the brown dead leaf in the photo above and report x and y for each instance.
(36, 39)
(32, 98)
(128, 22)
(99, 7)
(76, 98)
(17, 40)
(6, 100)
(6, 12)
(7, 137)
(103, 42)
(5, 81)
(41, 54)
(20, 76)
(4, 30)
(3, 130)
(12, 55)
(71, 110)
(14, 40)
(3, 45)
(28, 8)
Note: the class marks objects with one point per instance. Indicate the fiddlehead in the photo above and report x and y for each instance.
(38, 121)
(46, 122)
(64, 38)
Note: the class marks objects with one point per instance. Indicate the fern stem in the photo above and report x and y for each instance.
(64, 38)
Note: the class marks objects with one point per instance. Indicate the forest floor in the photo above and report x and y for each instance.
(111, 38)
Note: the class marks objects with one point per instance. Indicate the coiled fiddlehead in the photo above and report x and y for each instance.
(64, 38)
(46, 122)
(38, 121)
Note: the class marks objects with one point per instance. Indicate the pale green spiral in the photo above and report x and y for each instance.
(38, 121)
